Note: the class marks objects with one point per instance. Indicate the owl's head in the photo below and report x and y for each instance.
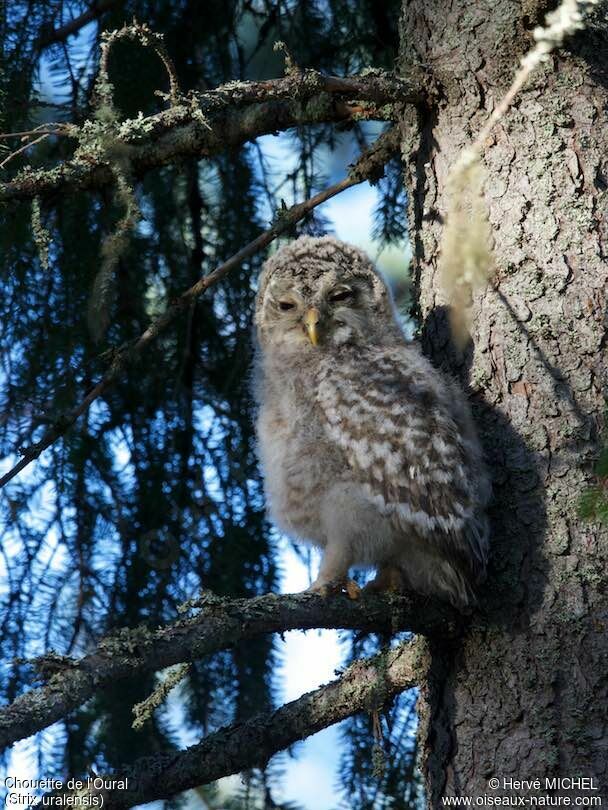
(318, 293)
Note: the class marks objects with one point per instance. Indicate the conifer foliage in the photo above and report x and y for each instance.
(155, 493)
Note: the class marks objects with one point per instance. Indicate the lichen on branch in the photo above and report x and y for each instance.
(207, 124)
(143, 711)
(207, 624)
(252, 743)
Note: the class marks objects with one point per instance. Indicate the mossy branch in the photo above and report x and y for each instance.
(252, 743)
(103, 137)
(291, 66)
(113, 247)
(136, 32)
(42, 238)
(143, 711)
(216, 624)
(207, 124)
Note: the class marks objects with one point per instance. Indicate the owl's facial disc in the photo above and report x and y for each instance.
(313, 314)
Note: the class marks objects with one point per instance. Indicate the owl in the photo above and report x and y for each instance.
(368, 451)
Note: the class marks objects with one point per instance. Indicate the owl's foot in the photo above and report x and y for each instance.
(353, 591)
(334, 587)
(388, 578)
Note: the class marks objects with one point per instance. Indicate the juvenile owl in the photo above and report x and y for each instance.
(367, 450)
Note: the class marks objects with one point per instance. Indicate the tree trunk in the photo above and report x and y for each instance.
(524, 694)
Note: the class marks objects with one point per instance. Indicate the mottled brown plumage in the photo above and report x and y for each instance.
(367, 450)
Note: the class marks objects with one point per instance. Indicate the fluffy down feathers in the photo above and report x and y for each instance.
(368, 451)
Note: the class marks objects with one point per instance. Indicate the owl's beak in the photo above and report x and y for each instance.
(311, 320)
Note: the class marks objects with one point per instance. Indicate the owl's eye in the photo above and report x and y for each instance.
(285, 305)
(344, 294)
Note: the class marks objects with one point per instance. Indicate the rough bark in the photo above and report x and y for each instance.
(365, 686)
(526, 695)
(220, 624)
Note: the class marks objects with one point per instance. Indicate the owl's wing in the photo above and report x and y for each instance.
(402, 433)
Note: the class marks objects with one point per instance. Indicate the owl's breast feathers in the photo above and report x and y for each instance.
(296, 471)
(408, 439)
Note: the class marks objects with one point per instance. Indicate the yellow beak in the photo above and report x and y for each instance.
(311, 320)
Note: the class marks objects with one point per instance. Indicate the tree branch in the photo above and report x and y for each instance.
(369, 166)
(209, 123)
(365, 686)
(222, 623)
(54, 35)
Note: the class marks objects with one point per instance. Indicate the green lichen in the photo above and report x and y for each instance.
(291, 66)
(113, 247)
(100, 140)
(593, 503)
(42, 238)
(143, 711)
(466, 257)
(378, 761)
(125, 640)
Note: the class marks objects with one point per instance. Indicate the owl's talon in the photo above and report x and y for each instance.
(335, 587)
(353, 591)
(323, 589)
